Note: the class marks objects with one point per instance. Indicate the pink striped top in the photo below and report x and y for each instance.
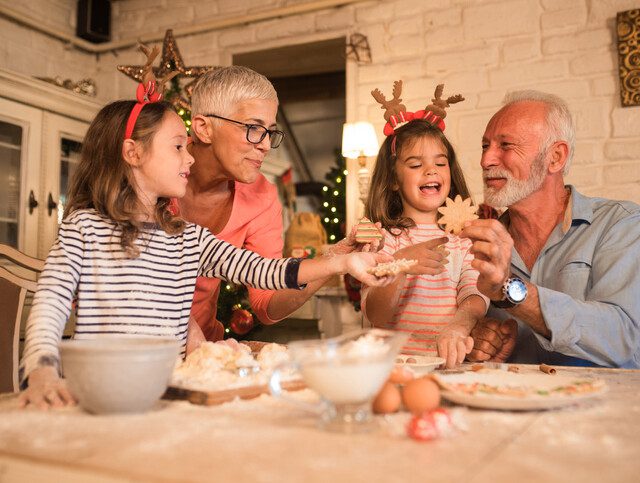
(428, 303)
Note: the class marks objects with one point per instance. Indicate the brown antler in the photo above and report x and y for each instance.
(437, 95)
(392, 107)
(454, 99)
(379, 97)
(147, 68)
(397, 90)
(439, 105)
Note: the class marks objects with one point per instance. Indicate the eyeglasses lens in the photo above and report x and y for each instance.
(255, 135)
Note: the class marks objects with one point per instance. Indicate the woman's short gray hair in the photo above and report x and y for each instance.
(219, 89)
(560, 125)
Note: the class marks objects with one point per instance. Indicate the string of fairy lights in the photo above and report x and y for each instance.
(333, 209)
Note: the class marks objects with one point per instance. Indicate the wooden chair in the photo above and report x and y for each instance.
(13, 291)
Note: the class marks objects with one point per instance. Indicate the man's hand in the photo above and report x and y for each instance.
(431, 256)
(494, 340)
(46, 389)
(491, 249)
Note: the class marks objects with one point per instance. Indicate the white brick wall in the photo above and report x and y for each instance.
(480, 48)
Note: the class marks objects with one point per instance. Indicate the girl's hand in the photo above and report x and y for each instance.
(454, 344)
(357, 265)
(431, 259)
(46, 389)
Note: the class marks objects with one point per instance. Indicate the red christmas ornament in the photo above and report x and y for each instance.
(430, 425)
(241, 321)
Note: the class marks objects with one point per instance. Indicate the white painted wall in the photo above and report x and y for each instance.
(480, 48)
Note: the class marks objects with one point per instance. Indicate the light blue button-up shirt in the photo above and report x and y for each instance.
(588, 279)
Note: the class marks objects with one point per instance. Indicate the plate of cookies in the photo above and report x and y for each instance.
(419, 364)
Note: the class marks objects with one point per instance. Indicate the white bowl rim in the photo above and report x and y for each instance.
(119, 344)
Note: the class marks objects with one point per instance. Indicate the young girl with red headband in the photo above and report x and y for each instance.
(127, 260)
(437, 300)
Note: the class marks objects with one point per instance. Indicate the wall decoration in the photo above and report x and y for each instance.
(628, 24)
(358, 49)
(83, 86)
(171, 61)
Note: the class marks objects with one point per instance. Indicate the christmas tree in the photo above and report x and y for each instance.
(333, 209)
(174, 91)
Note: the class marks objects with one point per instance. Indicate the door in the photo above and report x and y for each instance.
(61, 145)
(20, 155)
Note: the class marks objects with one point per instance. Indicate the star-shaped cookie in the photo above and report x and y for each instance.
(455, 213)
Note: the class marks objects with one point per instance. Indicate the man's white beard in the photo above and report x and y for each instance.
(514, 189)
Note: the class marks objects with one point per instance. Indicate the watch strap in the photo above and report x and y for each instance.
(503, 304)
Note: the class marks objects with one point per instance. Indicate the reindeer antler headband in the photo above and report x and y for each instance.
(149, 90)
(396, 113)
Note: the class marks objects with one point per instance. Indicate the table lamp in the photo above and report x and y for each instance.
(359, 141)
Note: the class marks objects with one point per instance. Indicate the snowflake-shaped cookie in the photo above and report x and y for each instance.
(455, 213)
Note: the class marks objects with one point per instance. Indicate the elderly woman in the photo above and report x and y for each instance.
(233, 128)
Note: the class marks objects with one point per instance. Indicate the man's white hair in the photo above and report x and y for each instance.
(219, 90)
(560, 125)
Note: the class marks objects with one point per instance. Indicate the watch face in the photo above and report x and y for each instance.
(517, 290)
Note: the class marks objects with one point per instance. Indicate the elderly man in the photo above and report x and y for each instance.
(563, 265)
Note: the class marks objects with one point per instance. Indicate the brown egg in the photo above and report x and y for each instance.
(400, 375)
(421, 395)
(387, 400)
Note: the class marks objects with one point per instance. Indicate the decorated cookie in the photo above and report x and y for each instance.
(456, 213)
(392, 268)
(367, 231)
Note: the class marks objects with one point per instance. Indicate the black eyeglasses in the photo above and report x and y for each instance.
(256, 132)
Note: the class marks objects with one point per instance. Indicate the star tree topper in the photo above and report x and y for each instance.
(171, 62)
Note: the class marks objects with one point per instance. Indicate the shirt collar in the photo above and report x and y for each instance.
(578, 209)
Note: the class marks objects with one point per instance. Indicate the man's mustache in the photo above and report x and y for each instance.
(496, 173)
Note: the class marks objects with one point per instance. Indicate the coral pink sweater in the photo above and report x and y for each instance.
(255, 224)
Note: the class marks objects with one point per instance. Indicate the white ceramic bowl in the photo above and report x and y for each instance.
(118, 375)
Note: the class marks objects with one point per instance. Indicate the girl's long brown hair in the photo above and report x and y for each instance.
(104, 181)
(384, 204)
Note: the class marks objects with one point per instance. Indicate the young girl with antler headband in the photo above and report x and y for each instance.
(436, 300)
(130, 263)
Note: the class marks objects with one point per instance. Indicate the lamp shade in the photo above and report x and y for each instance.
(359, 139)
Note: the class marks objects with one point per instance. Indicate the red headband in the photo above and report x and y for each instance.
(145, 94)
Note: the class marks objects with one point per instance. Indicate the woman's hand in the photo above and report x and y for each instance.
(357, 265)
(195, 336)
(431, 256)
(46, 389)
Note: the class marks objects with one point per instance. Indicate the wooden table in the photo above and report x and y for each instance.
(265, 440)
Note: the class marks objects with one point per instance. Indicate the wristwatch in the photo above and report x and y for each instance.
(514, 293)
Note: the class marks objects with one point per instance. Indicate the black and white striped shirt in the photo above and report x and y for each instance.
(149, 295)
